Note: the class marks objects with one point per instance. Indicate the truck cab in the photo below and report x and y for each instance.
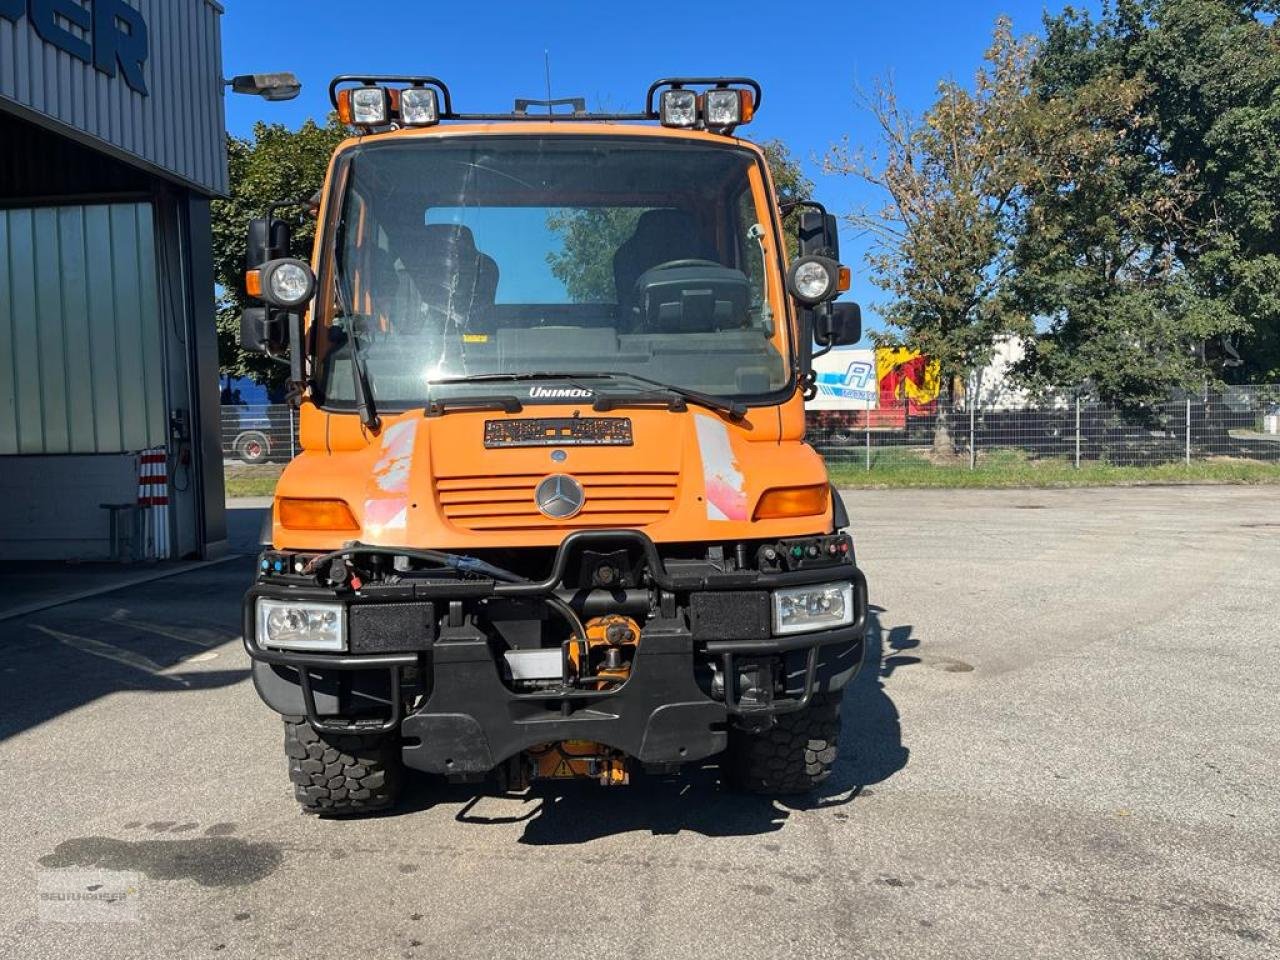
(554, 514)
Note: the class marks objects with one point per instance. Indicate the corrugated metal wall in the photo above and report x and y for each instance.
(79, 311)
(177, 128)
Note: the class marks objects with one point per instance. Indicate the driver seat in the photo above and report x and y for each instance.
(660, 236)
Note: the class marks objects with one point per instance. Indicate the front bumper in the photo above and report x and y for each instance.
(458, 717)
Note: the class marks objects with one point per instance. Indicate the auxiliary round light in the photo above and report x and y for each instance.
(813, 280)
(290, 283)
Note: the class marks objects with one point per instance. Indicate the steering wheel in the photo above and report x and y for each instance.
(688, 262)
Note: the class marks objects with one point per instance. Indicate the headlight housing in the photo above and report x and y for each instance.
(290, 283)
(818, 607)
(678, 108)
(724, 108)
(370, 106)
(814, 280)
(419, 107)
(301, 625)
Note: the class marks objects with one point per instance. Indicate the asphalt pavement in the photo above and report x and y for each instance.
(1065, 745)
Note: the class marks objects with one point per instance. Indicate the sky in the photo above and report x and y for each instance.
(809, 59)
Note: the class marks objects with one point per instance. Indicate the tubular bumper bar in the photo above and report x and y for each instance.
(728, 653)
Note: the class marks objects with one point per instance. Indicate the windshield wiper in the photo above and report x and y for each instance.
(731, 408)
(441, 406)
(365, 405)
(605, 401)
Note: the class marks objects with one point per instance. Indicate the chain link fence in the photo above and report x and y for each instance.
(1237, 424)
(255, 434)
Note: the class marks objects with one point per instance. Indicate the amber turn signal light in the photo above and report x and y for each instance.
(793, 502)
(253, 283)
(299, 514)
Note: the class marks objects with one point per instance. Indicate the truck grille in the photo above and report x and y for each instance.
(507, 503)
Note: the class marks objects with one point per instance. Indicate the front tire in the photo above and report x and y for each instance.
(342, 774)
(792, 756)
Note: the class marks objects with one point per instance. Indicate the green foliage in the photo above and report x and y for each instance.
(277, 164)
(1154, 262)
(953, 182)
(590, 237)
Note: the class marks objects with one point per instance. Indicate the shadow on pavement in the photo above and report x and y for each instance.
(572, 812)
(158, 637)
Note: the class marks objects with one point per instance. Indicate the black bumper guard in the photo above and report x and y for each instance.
(726, 650)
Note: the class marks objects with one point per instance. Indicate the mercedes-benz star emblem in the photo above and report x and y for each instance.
(560, 497)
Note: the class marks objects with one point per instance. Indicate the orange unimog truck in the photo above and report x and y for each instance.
(555, 514)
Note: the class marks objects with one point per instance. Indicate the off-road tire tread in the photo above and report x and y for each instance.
(342, 774)
(793, 756)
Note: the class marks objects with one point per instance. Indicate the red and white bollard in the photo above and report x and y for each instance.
(153, 502)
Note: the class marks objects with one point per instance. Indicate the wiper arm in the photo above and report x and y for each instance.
(731, 408)
(365, 405)
(605, 401)
(441, 406)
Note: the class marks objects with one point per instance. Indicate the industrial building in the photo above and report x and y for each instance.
(111, 148)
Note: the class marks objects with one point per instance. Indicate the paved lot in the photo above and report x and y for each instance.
(1066, 747)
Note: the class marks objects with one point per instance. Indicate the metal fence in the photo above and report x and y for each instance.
(1238, 424)
(256, 434)
(1241, 424)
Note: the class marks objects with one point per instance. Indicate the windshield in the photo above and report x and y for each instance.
(481, 258)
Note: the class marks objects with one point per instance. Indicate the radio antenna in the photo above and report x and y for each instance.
(546, 62)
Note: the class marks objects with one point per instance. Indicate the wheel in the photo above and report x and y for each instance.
(253, 447)
(344, 773)
(792, 756)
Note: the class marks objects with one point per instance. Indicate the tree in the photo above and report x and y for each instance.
(1154, 263)
(953, 181)
(277, 164)
(590, 236)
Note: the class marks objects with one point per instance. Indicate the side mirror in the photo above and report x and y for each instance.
(286, 283)
(819, 233)
(269, 239)
(839, 326)
(262, 332)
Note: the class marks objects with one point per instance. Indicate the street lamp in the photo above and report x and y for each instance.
(268, 86)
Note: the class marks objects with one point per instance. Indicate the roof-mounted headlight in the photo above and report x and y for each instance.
(726, 109)
(717, 104)
(365, 106)
(419, 107)
(679, 108)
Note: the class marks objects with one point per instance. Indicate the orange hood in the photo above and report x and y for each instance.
(431, 482)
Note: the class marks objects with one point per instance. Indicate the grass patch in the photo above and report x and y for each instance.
(258, 480)
(902, 467)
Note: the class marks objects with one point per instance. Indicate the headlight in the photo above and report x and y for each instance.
(813, 280)
(290, 283)
(370, 106)
(819, 607)
(418, 107)
(724, 108)
(296, 625)
(679, 108)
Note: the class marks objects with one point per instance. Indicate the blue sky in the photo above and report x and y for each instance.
(808, 57)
